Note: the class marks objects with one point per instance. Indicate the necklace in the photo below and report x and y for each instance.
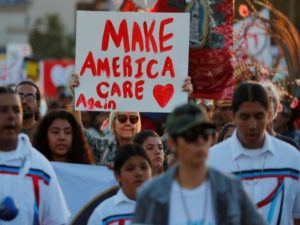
(255, 181)
(185, 205)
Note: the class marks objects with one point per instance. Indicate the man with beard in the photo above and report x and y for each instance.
(31, 100)
(222, 113)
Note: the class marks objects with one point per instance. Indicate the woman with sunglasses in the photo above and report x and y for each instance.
(123, 126)
(123, 130)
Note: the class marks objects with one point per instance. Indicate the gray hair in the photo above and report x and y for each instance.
(274, 95)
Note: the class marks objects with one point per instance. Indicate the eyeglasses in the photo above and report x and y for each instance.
(122, 118)
(192, 135)
(8, 209)
(29, 97)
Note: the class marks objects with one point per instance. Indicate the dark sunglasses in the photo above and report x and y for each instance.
(122, 118)
(193, 135)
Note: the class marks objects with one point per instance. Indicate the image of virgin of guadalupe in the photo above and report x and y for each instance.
(199, 22)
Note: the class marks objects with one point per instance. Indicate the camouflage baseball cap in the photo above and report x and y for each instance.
(185, 117)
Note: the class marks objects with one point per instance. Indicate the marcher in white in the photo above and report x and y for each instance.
(132, 168)
(29, 190)
(268, 167)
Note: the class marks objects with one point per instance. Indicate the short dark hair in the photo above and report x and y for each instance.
(80, 151)
(141, 137)
(249, 91)
(224, 130)
(7, 90)
(30, 82)
(38, 94)
(127, 151)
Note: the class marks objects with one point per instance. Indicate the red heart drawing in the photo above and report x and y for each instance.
(163, 94)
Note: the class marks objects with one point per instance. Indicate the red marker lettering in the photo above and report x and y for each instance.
(117, 38)
(164, 37)
(89, 63)
(149, 38)
(168, 67)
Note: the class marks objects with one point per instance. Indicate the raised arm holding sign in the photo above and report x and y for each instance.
(123, 132)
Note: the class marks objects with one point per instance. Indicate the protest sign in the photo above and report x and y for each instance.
(3, 70)
(32, 68)
(131, 61)
(12, 68)
(54, 74)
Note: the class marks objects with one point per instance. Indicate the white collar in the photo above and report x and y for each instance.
(23, 148)
(121, 197)
(237, 149)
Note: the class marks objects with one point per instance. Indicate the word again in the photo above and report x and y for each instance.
(91, 103)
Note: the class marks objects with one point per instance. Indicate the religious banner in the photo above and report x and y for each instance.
(55, 74)
(252, 41)
(210, 58)
(211, 39)
(131, 61)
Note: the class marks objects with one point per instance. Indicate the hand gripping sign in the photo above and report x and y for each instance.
(131, 61)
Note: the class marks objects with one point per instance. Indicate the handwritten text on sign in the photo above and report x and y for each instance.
(131, 61)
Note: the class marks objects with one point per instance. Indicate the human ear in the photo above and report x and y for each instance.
(118, 178)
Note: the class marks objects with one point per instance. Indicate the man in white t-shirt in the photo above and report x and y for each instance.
(29, 190)
(268, 167)
(190, 192)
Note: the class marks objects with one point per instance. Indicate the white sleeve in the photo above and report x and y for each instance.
(53, 207)
(296, 208)
(95, 218)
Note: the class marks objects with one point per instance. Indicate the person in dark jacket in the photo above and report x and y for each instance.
(190, 192)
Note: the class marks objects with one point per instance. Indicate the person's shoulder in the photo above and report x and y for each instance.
(222, 180)
(218, 175)
(220, 150)
(38, 157)
(156, 186)
(221, 145)
(106, 205)
(287, 140)
(148, 185)
(40, 162)
(284, 147)
(287, 154)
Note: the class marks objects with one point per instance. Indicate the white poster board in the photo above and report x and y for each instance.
(131, 61)
(16, 52)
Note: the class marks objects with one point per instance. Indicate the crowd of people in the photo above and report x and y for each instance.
(236, 163)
